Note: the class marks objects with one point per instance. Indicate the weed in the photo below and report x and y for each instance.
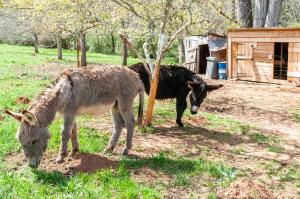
(276, 149)
(147, 129)
(295, 113)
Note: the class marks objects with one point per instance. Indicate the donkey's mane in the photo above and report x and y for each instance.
(47, 103)
(46, 95)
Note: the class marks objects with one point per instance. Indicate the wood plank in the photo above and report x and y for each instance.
(265, 34)
(263, 51)
(241, 39)
(294, 74)
(234, 59)
(229, 59)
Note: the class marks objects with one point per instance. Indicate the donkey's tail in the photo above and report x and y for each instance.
(141, 103)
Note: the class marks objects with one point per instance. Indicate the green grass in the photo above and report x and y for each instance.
(184, 169)
(289, 173)
(295, 114)
(272, 142)
(26, 57)
(17, 79)
(22, 56)
(227, 125)
(103, 184)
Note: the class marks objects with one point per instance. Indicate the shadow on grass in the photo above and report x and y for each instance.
(195, 135)
(161, 163)
(181, 166)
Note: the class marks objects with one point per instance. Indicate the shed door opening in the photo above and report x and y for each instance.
(281, 61)
(203, 54)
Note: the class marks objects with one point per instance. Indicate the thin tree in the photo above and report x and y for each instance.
(164, 42)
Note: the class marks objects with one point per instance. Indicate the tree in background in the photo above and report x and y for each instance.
(266, 13)
(75, 18)
(31, 16)
(290, 15)
(243, 13)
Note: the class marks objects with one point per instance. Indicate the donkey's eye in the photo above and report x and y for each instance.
(34, 141)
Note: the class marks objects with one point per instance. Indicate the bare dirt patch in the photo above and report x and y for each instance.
(22, 100)
(245, 189)
(81, 163)
(261, 103)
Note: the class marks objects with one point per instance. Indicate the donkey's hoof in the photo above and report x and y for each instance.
(108, 150)
(59, 160)
(72, 154)
(125, 152)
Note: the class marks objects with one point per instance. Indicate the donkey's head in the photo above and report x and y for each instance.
(33, 138)
(198, 93)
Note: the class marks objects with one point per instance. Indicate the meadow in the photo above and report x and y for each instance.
(196, 161)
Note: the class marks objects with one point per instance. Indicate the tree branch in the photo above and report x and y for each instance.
(129, 7)
(219, 10)
(125, 40)
(183, 27)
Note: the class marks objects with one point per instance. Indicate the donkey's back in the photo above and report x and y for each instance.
(96, 90)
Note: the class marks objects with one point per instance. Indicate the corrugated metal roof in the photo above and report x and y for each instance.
(217, 44)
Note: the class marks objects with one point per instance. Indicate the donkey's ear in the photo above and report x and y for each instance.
(213, 87)
(29, 117)
(192, 85)
(17, 116)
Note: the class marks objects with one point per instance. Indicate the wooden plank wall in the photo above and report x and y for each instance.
(244, 60)
(263, 62)
(294, 63)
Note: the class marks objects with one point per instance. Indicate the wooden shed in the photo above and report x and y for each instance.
(198, 48)
(264, 54)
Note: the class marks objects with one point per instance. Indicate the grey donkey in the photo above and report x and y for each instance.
(75, 92)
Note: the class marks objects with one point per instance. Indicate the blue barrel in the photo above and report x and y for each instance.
(211, 68)
(222, 70)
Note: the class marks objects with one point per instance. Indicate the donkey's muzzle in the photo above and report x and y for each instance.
(194, 110)
(33, 163)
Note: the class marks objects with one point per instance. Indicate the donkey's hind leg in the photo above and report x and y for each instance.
(74, 140)
(118, 125)
(128, 117)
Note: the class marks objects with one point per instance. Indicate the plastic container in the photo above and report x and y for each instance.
(222, 70)
(212, 68)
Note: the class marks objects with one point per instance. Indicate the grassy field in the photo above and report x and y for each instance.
(176, 171)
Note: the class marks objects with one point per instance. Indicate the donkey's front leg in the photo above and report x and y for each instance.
(65, 136)
(74, 140)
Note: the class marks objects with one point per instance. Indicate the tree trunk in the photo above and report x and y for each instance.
(59, 48)
(273, 13)
(36, 43)
(180, 51)
(260, 13)
(124, 54)
(113, 44)
(243, 13)
(75, 42)
(78, 51)
(124, 47)
(83, 50)
(152, 94)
